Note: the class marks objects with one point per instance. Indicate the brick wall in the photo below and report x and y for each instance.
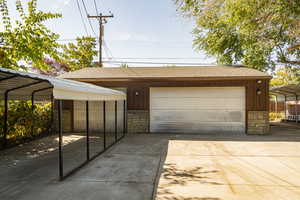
(138, 121)
(258, 122)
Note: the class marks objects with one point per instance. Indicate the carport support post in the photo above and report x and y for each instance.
(276, 104)
(296, 108)
(60, 132)
(5, 118)
(87, 132)
(285, 115)
(116, 121)
(52, 113)
(32, 113)
(124, 117)
(104, 125)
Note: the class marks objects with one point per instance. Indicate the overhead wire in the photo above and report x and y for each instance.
(96, 7)
(90, 23)
(81, 15)
(108, 49)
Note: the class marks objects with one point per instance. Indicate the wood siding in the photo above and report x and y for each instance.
(254, 102)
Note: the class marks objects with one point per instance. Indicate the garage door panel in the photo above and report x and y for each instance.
(197, 109)
(197, 128)
(198, 116)
(183, 103)
(205, 92)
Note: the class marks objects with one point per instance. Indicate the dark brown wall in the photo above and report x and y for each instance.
(138, 98)
(280, 107)
(254, 102)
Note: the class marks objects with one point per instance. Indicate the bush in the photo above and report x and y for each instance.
(275, 116)
(21, 118)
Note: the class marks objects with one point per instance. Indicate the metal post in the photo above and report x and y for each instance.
(5, 130)
(32, 112)
(296, 108)
(285, 115)
(124, 117)
(52, 113)
(104, 125)
(276, 104)
(60, 141)
(116, 121)
(87, 132)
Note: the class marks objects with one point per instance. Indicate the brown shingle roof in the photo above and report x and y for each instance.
(165, 72)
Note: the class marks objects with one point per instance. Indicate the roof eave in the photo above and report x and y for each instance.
(97, 79)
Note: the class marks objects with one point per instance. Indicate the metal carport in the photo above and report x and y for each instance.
(19, 85)
(290, 93)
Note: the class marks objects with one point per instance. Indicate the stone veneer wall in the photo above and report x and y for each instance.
(258, 122)
(138, 121)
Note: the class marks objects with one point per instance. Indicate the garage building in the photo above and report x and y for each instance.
(204, 99)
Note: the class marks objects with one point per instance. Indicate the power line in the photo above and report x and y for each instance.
(108, 49)
(90, 23)
(96, 7)
(84, 25)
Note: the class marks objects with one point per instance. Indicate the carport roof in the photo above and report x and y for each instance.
(210, 72)
(20, 86)
(287, 90)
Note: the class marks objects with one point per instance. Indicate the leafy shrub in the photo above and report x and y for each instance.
(275, 116)
(22, 117)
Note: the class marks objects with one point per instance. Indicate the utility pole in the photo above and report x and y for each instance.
(102, 20)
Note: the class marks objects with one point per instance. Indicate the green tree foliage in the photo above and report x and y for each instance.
(74, 56)
(285, 76)
(21, 118)
(257, 33)
(80, 54)
(27, 40)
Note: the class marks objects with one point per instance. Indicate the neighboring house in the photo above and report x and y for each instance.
(206, 99)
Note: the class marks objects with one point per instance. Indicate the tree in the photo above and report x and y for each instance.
(73, 56)
(257, 33)
(29, 41)
(55, 68)
(80, 54)
(285, 76)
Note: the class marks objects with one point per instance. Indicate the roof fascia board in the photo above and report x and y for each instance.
(169, 78)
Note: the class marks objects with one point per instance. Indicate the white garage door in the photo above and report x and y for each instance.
(197, 109)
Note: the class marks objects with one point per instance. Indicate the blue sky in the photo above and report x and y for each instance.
(140, 28)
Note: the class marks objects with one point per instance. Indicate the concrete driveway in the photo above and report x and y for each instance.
(232, 167)
(165, 167)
